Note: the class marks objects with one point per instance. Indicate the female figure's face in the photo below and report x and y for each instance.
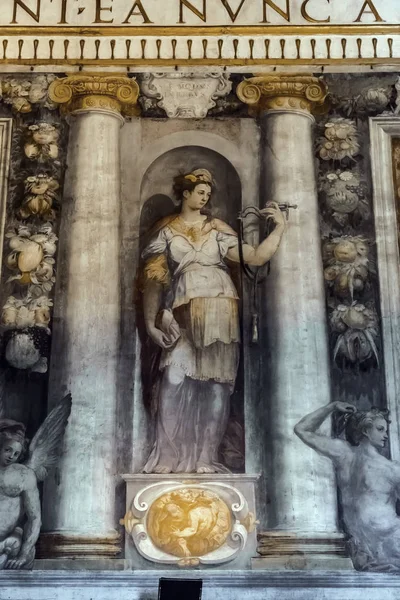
(198, 198)
(377, 433)
(10, 451)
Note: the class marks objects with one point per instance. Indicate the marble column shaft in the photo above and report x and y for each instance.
(79, 500)
(301, 484)
(302, 487)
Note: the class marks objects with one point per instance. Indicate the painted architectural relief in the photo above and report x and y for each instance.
(32, 208)
(348, 234)
(195, 260)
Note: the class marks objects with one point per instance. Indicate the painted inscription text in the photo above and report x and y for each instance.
(87, 13)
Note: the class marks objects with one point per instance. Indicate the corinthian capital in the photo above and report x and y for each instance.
(85, 92)
(283, 92)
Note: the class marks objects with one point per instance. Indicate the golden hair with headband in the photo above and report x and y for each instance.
(189, 181)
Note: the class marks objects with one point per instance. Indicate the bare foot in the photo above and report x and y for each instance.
(162, 470)
(204, 468)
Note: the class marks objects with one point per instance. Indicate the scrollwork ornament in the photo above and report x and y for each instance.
(315, 93)
(185, 95)
(126, 94)
(249, 93)
(60, 92)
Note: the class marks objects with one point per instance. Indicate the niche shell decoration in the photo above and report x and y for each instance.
(188, 525)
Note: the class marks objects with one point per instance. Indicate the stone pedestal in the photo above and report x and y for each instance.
(187, 521)
(79, 498)
(302, 509)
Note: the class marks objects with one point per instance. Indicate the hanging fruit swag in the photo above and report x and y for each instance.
(30, 239)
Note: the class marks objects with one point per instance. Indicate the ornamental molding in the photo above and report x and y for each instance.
(283, 92)
(117, 94)
(248, 47)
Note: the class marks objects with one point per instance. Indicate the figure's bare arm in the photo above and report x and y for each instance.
(152, 300)
(31, 509)
(152, 296)
(257, 257)
(307, 431)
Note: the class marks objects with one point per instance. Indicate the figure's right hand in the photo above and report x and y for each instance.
(345, 407)
(161, 339)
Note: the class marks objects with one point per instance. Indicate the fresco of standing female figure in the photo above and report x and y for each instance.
(191, 312)
(369, 483)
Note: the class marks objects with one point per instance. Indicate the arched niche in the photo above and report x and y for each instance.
(156, 200)
(238, 142)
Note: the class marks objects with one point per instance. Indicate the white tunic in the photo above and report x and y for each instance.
(197, 269)
(209, 344)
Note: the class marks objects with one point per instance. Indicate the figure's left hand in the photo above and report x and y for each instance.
(272, 212)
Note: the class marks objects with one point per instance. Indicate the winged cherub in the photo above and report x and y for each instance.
(20, 518)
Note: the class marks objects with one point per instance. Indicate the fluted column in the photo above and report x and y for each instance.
(302, 505)
(79, 499)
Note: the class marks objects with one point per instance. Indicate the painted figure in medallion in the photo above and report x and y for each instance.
(189, 522)
(191, 312)
(369, 483)
(20, 518)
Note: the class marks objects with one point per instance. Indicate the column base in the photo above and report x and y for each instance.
(63, 545)
(298, 551)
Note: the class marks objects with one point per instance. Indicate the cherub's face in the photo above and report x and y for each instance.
(10, 452)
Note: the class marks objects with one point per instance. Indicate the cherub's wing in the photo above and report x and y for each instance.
(46, 446)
